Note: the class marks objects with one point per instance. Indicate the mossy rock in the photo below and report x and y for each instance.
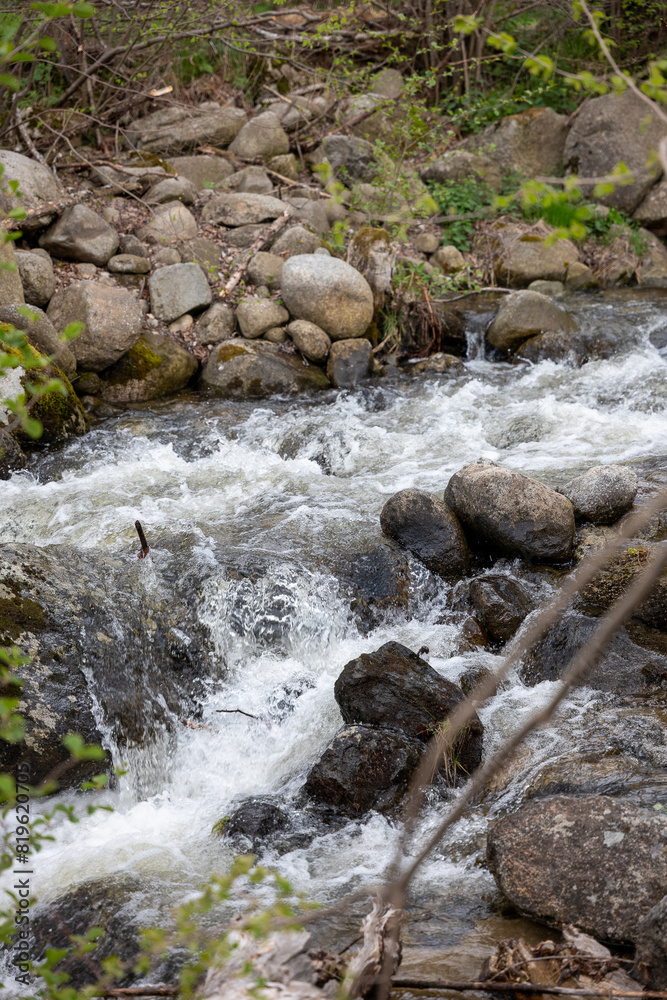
(256, 369)
(614, 579)
(155, 366)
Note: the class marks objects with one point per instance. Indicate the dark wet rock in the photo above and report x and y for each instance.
(501, 605)
(349, 362)
(614, 579)
(509, 512)
(625, 668)
(13, 458)
(155, 366)
(395, 688)
(469, 680)
(650, 966)
(240, 369)
(111, 903)
(602, 494)
(364, 768)
(596, 862)
(426, 526)
(96, 637)
(553, 346)
(376, 579)
(525, 314)
(254, 821)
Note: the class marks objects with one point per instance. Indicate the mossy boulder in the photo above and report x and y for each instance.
(155, 366)
(241, 369)
(617, 575)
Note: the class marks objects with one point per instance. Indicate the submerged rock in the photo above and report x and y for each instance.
(507, 511)
(364, 768)
(251, 370)
(379, 577)
(426, 526)
(394, 688)
(602, 494)
(595, 862)
(254, 820)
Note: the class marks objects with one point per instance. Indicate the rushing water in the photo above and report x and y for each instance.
(296, 485)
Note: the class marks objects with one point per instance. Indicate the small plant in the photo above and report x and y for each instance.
(464, 197)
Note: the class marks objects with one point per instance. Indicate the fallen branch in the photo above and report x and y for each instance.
(261, 241)
(231, 711)
(142, 991)
(533, 988)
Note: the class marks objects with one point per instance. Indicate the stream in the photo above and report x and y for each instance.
(294, 487)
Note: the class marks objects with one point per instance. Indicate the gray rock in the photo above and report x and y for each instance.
(350, 362)
(174, 129)
(218, 323)
(242, 237)
(251, 180)
(255, 316)
(610, 129)
(579, 277)
(296, 240)
(41, 333)
(311, 212)
(652, 210)
(239, 369)
(364, 768)
(507, 511)
(155, 366)
(550, 347)
(650, 966)
(112, 319)
(328, 292)
(426, 526)
(388, 83)
(276, 335)
(459, 165)
(127, 263)
(265, 269)
(204, 252)
(261, 138)
(202, 171)
(177, 289)
(530, 143)
(172, 189)
(549, 288)
(602, 494)
(427, 242)
(81, 235)
(350, 158)
(164, 256)
(286, 165)
(242, 209)
(37, 184)
(130, 244)
(596, 862)
(37, 277)
(448, 259)
(310, 340)
(524, 314)
(11, 286)
(393, 688)
(171, 222)
(519, 258)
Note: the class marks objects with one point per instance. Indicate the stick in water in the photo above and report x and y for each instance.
(142, 538)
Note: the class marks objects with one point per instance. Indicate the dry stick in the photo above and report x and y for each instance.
(142, 991)
(25, 136)
(486, 987)
(274, 228)
(232, 711)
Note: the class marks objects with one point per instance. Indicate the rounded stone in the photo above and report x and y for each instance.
(602, 494)
(328, 292)
(424, 524)
(312, 341)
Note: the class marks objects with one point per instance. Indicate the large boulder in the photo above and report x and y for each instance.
(626, 667)
(242, 209)
(11, 286)
(509, 512)
(87, 620)
(37, 184)
(459, 165)
(364, 768)
(328, 292)
(523, 315)
(177, 289)
(174, 129)
(350, 362)
(596, 862)
(240, 369)
(59, 412)
(424, 524)
(261, 138)
(611, 129)
(111, 317)
(395, 689)
(351, 159)
(41, 333)
(37, 277)
(171, 223)
(154, 366)
(521, 257)
(529, 143)
(602, 494)
(81, 235)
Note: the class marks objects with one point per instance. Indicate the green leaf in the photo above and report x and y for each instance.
(80, 750)
(72, 331)
(32, 426)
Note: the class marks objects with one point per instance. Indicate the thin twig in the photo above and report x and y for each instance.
(261, 240)
(519, 988)
(231, 711)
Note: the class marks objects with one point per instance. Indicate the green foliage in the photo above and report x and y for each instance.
(462, 197)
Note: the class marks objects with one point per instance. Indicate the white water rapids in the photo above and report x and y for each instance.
(298, 484)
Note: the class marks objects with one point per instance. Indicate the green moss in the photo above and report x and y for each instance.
(228, 351)
(615, 578)
(134, 365)
(365, 239)
(218, 828)
(18, 614)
